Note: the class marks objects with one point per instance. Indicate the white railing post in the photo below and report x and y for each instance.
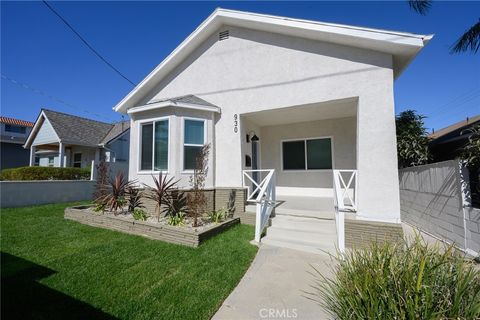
(92, 170)
(340, 191)
(263, 194)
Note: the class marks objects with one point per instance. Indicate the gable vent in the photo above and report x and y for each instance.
(223, 35)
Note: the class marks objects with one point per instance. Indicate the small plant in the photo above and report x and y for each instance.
(218, 215)
(400, 281)
(101, 185)
(231, 203)
(100, 207)
(117, 190)
(177, 219)
(134, 198)
(161, 192)
(139, 214)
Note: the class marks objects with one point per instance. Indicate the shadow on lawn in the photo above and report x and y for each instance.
(22, 297)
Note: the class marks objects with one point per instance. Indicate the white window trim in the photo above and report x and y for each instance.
(48, 161)
(182, 151)
(139, 153)
(306, 164)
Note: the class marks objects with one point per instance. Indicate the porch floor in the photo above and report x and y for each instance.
(314, 207)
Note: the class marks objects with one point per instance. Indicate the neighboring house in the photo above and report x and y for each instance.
(13, 133)
(446, 144)
(301, 97)
(63, 140)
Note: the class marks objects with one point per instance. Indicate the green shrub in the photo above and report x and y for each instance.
(45, 173)
(139, 214)
(403, 281)
(176, 220)
(218, 216)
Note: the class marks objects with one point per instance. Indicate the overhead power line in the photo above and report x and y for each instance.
(27, 87)
(86, 42)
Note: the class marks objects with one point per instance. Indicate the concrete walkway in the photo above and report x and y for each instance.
(274, 286)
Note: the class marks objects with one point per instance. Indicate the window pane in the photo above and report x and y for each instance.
(190, 156)
(294, 155)
(319, 154)
(77, 157)
(147, 137)
(161, 145)
(194, 132)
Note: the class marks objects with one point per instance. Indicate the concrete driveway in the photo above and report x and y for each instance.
(274, 286)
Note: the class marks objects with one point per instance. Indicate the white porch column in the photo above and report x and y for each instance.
(32, 155)
(61, 154)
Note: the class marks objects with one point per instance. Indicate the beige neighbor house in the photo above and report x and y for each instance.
(304, 109)
(63, 140)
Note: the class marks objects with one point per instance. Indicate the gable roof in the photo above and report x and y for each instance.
(77, 130)
(16, 122)
(403, 46)
(456, 126)
(189, 101)
(117, 129)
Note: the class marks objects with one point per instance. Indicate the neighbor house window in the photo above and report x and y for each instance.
(154, 146)
(51, 161)
(308, 154)
(193, 141)
(77, 160)
(15, 129)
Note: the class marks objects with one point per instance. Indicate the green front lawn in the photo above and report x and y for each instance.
(57, 269)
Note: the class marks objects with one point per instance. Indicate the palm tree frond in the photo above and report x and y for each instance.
(420, 6)
(469, 41)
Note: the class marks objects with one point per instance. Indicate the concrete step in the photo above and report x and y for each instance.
(302, 223)
(302, 246)
(308, 234)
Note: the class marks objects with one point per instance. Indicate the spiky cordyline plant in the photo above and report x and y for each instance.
(134, 198)
(160, 193)
(177, 203)
(117, 189)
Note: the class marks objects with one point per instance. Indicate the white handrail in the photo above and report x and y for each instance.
(263, 195)
(341, 192)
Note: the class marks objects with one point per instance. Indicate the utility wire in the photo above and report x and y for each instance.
(25, 86)
(86, 42)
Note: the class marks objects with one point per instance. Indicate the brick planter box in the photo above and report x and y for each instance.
(176, 235)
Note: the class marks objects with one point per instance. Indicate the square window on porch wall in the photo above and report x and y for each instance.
(307, 154)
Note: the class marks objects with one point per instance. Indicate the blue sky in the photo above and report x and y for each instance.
(38, 50)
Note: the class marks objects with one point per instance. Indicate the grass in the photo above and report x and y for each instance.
(56, 269)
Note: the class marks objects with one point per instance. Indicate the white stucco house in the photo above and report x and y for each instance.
(63, 140)
(303, 98)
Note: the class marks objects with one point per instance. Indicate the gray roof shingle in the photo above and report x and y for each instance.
(78, 130)
(187, 99)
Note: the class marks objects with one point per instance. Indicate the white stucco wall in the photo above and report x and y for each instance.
(343, 134)
(254, 71)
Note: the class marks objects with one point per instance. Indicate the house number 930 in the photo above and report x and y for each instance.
(235, 123)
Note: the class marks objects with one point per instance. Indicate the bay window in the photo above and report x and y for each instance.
(307, 154)
(154, 146)
(193, 141)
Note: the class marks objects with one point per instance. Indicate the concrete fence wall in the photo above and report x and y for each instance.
(29, 193)
(435, 199)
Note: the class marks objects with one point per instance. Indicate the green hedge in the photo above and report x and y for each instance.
(45, 173)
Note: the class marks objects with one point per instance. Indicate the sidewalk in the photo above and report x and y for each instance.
(274, 286)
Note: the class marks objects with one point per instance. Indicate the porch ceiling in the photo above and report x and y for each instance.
(309, 112)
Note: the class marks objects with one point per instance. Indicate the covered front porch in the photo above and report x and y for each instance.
(302, 146)
(63, 155)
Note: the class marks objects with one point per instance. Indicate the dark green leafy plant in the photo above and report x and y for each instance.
(400, 281)
(160, 193)
(139, 214)
(471, 151)
(115, 198)
(412, 140)
(177, 203)
(134, 198)
(45, 173)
